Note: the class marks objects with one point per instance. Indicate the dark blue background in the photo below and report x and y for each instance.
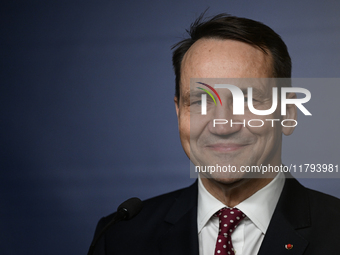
(87, 114)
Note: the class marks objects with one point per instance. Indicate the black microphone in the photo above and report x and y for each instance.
(126, 211)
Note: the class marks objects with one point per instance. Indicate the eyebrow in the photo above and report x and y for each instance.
(196, 93)
(259, 93)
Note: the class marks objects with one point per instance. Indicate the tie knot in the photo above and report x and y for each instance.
(229, 219)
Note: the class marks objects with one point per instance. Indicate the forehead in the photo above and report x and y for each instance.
(215, 58)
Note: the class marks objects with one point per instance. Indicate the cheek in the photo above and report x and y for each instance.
(265, 129)
(184, 128)
(197, 125)
(266, 125)
(184, 132)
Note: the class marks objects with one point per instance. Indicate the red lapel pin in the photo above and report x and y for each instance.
(289, 246)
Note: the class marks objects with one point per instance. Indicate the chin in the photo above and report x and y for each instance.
(226, 178)
(228, 181)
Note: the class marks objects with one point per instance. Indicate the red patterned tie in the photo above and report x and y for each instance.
(229, 219)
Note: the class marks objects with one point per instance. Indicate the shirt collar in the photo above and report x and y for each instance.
(259, 207)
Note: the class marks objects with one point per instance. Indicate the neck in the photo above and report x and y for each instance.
(234, 192)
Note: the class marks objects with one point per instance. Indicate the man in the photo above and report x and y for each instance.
(230, 213)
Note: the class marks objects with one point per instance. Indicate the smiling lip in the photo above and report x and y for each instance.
(222, 147)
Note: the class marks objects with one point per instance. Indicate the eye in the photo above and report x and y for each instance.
(198, 102)
(246, 100)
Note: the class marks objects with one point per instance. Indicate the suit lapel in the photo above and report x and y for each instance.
(291, 213)
(180, 236)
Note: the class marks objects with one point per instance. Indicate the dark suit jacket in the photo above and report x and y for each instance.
(307, 219)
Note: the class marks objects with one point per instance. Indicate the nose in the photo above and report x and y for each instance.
(224, 122)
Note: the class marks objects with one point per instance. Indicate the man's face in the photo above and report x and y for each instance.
(237, 146)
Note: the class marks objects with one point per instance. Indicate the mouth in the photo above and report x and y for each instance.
(223, 147)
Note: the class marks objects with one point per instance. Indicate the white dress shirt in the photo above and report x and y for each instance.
(249, 234)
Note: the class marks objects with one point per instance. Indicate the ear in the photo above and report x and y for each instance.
(176, 100)
(291, 113)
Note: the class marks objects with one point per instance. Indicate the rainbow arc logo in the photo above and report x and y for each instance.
(208, 92)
